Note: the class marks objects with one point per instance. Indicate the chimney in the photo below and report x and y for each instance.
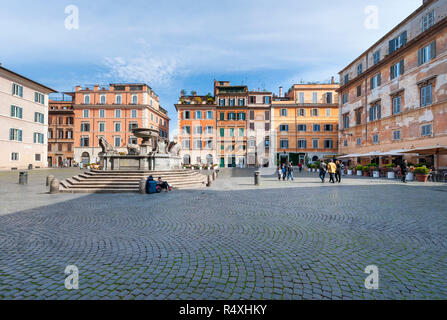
(332, 80)
(280, 92)
(96, 87)
(78, 88)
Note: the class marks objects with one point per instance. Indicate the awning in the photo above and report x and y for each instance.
(432, 150)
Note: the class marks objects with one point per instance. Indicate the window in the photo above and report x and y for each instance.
(428, 20)
(186, 144)
(328, 112)
(85, 141)
(346, 78)
(302, 127)
(314, 97)
(102, 113)
(133, 140)
(198, 130)
(376, 57)
(426, 130)
(251, 143)
(69, 134)
(252, 99)
(314, 143)
(328, 127)
(283, 112)
(328, 97)
(358, 116)
(118, 99)
(328, 144)
(186, 115)
(397, 103)
(17, 90)
(134, 99)
(359, 141)
(241, 116)
(252, 115)
(375, 112)
(117, 126)
(302, 144)
(345, 143)
(209, 144)
(231, 116)
(38, 137)
(117, 141)
(14, 156)
(133, 125)
(426, 95)
(15, 134)
(186, 130)
(16, 112)
(86, 99)
(346, 121)
(197, 144)
(284, 143)
(37, 156)
(209, 114)
(222, 132)
(375, 138)
(397, 70)
(398, 42)
(209, 130)
(376, 81)
(134, 113)
(39, 98)
(284, 127)
(266, 100)
(302, 112)
(221, 102)
(359, 91)
(39, 117)
(222, 116)
(344, 98)
(198, 114)
(241, 102)
(60, 134)
(359, 69)
(396, 135)
(102, 99)
(301, 97)
(85, 126)
(267, 126)
(316, 128)
(314, 112)
(232, 102)
(231, 131)
(117, 113)
(427, 53)
(241, 132)
(267, 143)
(86, 113)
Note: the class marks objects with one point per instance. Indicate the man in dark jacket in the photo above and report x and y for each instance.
(404, 170)
(323, 168)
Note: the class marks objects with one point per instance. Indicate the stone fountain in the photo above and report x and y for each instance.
(154, 153)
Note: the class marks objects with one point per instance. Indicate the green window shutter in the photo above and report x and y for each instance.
(379, 79)
(371, 83)
(404, 37)
(433, 50)
(392, 46)
(12, 111)
(20, 135)
(402, 67)
(11, 134)
(392, 72)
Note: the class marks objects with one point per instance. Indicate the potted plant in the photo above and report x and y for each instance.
(410, 174)
(390, 170)
(350, 170)
(359, 169)
(422, 173)
(374, 171)
(366, 171)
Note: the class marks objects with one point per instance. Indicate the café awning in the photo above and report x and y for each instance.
(431, 150)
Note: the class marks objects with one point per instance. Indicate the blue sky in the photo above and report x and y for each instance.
(175, 44)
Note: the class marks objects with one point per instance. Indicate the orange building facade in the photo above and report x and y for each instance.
(305, 123)
(60, 133)
(393, 97)
(112, 112)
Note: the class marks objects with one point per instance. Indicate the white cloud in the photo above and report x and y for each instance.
(144, 68)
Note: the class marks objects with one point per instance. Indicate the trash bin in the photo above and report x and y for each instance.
(23, 177)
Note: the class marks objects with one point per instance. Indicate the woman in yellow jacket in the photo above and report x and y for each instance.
(331, 168)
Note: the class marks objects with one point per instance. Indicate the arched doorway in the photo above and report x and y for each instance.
(209, 159)
(186, 159)
(314, 158)
(85, 158)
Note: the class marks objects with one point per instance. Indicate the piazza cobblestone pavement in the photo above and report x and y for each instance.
(282, 240)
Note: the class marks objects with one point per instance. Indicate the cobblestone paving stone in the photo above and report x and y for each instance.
(291, 243)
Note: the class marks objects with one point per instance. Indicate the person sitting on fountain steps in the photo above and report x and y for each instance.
(151, 185)
(163, 185)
